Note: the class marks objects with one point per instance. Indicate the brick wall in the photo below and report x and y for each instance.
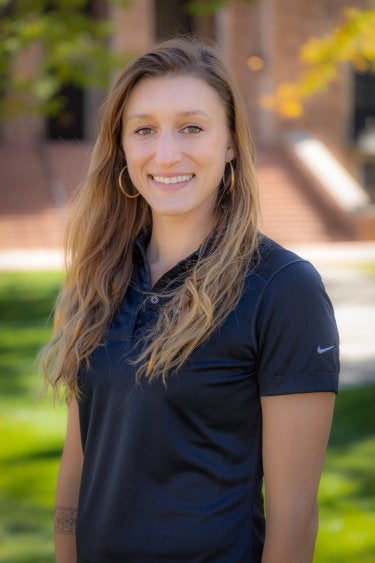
(135, 27)
(243, 39)
(24, 129)
(272, 29)
(276, 30)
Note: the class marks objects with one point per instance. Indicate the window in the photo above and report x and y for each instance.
(171, 18)
(68, 123)
(364, 103)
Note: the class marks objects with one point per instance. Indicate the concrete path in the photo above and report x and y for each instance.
(343, 269)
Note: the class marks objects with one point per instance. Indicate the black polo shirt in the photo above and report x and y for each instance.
(175, 474)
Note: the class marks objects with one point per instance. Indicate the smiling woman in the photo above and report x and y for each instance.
(176, 143)
(198, 356)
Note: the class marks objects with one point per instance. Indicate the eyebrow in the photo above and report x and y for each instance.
(180, 114)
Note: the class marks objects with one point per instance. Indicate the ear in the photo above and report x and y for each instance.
(230, 154)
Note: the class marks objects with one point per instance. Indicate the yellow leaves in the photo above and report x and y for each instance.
(360, 63)
(353, 41)
(285, 100)
(311, 52)
(288, 97)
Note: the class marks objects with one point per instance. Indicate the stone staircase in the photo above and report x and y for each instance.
(35, 185)
(292, 214)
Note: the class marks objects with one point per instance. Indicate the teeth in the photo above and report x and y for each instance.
(173, 180)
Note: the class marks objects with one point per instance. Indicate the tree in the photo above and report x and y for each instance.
(73, 47)
(73, 50)
(207, 7)
(352, 41)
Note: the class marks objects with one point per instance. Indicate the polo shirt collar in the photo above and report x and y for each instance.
(183, 266)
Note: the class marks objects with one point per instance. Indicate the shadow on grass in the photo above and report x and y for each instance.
(19, 309)
(40, 455)
(27, 558)
(26, 305)
(354, 417)
(352, 442)
(16, 384)
(347, 491)
(31, 529)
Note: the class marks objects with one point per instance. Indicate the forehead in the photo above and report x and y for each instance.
(175, 94)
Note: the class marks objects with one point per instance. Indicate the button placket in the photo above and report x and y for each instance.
(141, 311)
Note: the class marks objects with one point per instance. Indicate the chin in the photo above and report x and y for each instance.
(170, 209)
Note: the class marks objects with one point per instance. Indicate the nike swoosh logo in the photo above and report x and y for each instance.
(322, 350)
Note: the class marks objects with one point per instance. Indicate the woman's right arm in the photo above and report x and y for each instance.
(67, 490)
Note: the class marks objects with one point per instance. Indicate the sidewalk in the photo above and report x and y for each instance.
(343, 269)
(352, 291)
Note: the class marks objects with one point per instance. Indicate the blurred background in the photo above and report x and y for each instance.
(306, 71)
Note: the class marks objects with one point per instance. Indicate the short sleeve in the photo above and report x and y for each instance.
(298, 342)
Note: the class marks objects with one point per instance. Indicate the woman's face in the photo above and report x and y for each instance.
(176, 144)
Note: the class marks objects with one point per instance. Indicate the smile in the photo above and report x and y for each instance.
(173, 179)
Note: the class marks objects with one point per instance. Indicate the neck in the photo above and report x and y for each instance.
(172, 240)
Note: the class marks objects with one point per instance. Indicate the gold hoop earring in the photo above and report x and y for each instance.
(122, 189)
(231, 189)
(231, 186)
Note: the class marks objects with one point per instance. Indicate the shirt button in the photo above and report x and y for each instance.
(154, 300)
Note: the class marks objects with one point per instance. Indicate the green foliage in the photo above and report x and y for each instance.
(207, 7)
(71, 46)
(73, 49)
(32, 433)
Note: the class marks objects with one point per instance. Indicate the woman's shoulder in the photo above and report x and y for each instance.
(272, 259)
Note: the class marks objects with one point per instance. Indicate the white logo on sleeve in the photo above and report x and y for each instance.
(321, 350)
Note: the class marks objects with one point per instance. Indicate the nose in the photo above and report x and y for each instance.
(167, 151)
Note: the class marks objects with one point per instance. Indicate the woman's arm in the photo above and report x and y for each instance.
(295, 436)
(67, 490)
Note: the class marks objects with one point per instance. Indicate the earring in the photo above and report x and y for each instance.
(231, 189)
(122, 187)
(231, 186)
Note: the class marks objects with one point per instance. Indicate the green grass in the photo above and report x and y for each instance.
(347, 491)
(32, 432)
(31, 429)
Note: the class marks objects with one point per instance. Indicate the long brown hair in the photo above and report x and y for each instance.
(104, 225)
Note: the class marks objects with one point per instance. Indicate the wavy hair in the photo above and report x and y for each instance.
(104, 224)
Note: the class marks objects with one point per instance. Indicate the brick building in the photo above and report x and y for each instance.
(261, 41)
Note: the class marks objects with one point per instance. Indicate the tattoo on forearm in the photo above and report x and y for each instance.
(65, 519)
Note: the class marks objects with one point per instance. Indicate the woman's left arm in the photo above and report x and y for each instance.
(295, 435)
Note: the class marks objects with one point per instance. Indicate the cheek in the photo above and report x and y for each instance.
(134, 148)
(135, 158)
(135, 176)
(215, 148)
(215, 158)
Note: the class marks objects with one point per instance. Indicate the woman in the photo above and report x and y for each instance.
(198, 355)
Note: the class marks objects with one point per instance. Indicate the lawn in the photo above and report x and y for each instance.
(31, 430)
(32, 433)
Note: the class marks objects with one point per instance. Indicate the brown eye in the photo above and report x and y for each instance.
(192, 129)
(143, 131)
